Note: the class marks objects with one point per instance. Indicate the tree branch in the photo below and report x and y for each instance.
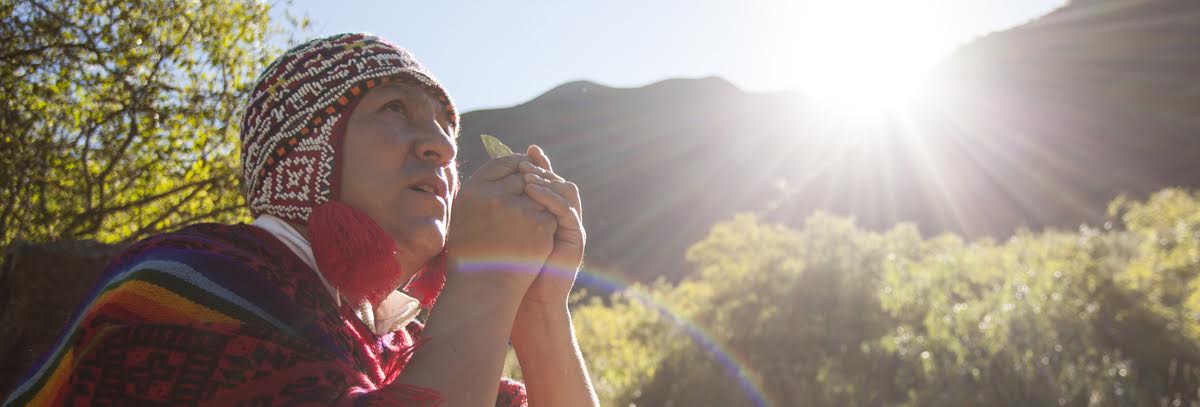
(101, 212)
(166, 214)
(88, 180)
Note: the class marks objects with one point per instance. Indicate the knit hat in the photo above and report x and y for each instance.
(292, 133)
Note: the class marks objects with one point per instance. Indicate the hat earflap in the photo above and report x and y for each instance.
(354, 253)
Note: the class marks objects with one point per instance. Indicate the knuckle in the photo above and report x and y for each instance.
(515, 183)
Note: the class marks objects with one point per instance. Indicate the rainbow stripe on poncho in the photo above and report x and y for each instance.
(222, 315)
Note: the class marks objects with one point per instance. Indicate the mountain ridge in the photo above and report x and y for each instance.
(1032, 122)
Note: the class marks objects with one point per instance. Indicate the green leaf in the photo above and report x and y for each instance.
(494, 147)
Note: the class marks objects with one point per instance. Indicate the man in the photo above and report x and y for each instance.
(348, 148)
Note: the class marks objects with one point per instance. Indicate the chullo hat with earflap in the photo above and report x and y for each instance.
(292, 134)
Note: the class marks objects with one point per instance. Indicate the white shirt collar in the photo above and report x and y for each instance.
(396, 311)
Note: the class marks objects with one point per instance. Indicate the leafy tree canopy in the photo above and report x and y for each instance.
(831, 314)
(120, 118)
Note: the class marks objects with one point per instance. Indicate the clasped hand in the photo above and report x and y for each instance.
(515, 209)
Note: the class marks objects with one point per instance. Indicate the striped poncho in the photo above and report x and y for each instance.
(223, 315)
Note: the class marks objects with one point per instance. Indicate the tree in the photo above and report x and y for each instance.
(121, 117)
(830, 314)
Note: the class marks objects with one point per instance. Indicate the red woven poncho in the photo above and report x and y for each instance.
(223, 315)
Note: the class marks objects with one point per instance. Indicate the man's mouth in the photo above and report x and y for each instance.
(430, 185)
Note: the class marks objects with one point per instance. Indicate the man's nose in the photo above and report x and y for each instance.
(437, 147)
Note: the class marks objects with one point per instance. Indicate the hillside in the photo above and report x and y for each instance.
(1034, 127)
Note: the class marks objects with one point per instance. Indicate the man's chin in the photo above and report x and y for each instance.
(423, 238)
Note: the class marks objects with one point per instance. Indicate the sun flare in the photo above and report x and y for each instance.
(865, 57)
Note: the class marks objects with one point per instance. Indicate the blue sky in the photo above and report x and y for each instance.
(497, 54)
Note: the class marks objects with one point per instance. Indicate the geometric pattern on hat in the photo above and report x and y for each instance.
(294, 122)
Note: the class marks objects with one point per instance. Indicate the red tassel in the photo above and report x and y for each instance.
(426, 287)
(353, 252)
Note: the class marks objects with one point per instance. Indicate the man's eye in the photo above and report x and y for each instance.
(395, 106)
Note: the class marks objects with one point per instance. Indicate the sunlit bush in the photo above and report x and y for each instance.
(830, 314)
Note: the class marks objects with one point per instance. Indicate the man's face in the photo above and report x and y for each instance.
(398, 166)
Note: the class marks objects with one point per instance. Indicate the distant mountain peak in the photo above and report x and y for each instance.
(1035, 126)
(580, 90)
(571, 90)
(707, 83)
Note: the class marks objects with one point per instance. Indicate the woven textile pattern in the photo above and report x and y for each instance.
(292, 127)
(223, 315)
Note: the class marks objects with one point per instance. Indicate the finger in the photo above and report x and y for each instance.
(539, 157)
(529, 167)
(570, 191)
(557, 205)
(513, 184)
(565, 189)
(500, 167)
(530, 205)
(535, 179)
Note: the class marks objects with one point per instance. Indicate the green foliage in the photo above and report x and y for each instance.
(121, 116)
(120, 121)
(830, 314)
(495, 147)
(620, 364)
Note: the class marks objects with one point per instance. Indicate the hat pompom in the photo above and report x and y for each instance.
(353, 252)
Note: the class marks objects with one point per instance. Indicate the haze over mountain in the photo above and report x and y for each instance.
(1037, 126)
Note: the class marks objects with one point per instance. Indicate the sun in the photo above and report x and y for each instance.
(865, 57)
